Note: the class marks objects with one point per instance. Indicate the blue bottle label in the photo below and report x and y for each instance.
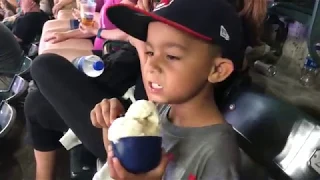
(310, 63)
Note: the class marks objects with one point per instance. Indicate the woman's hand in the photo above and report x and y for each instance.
(56, 37)
(146, 5)
(90, 30)
(57, 7)
(76, 14)
(119, 173)
(105, 112)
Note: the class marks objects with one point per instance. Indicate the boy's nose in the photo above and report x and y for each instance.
(153, 65)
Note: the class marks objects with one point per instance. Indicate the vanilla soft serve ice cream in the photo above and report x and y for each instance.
(141, 119)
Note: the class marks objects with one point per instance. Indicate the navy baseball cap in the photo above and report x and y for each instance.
(215, 21)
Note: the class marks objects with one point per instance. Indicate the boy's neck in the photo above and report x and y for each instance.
(199, 111)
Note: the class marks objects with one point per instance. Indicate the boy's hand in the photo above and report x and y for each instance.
(119, 173)
(57, 7)
(105, 112)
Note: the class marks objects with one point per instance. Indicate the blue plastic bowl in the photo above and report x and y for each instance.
(138, 154)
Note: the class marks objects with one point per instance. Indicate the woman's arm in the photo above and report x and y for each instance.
(114, 34)
(65, 2)
(76, 33)
(96, 17)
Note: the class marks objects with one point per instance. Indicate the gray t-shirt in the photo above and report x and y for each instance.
(10, 51)
(206, 153)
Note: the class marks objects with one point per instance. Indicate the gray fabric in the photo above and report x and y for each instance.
(206, 153)
(10, 51)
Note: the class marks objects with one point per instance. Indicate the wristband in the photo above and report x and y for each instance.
(99, 32)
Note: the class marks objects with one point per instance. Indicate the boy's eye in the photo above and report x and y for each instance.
(149, 53)
(172, 57)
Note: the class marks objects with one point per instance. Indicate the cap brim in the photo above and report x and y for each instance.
(135, 21)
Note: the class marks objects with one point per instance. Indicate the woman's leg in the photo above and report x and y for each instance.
(69, 54)
(73, 95)
(56, 24)
(77, 44)
(44, 127)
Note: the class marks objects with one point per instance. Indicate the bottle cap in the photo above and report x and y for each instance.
(98, 66)
(311, 63)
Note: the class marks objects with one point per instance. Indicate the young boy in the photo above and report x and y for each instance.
(190, 46)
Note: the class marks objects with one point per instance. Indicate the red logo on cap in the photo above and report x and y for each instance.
(165, 2)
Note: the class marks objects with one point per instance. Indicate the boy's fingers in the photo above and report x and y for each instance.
(112, 171)
(121, 172)
(105, 107)
(94, 119)
(99, 116)
(163, 164)
(116, 109)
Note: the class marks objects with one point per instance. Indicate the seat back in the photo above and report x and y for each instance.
(18, 87)
(274, 133)
(292, 11)
(7, 118)
(111, 46)
(25, 67)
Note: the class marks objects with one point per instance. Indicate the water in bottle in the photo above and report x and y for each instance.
(309, 72)
(91, 65)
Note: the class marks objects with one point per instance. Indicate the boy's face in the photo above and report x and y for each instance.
(179, 67)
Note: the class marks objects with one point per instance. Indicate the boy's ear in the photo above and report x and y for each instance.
(221, 69)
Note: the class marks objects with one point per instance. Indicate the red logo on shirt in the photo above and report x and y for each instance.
(192, 177)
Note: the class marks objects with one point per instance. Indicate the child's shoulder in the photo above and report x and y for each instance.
(220, 154)
(220, 140)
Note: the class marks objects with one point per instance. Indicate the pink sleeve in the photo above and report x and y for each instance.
(99, 5)
(104, 21)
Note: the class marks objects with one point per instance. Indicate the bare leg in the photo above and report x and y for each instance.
(80, 44)
(77, 44)
(45, 169)
(69, 54)
(59, 25)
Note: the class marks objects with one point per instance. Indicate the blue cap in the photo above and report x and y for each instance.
(311, 63)
(98, 66)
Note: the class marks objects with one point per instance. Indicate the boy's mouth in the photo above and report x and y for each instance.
(155, 86)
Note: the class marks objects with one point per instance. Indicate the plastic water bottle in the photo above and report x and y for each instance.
(91, 65)
(265, 69)
(309, 72)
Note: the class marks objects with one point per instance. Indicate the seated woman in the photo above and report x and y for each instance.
(10, 51)
(55, 107)
(68, 44)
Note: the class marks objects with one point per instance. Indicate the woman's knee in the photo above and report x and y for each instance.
(46, 64)
(69, 54)
(33, 107)
(40, 112)
(56, 25)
